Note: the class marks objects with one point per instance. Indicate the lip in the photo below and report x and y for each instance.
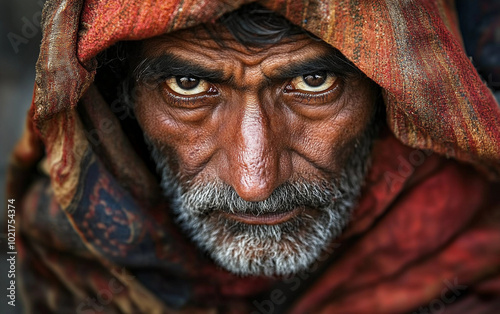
(264, 219)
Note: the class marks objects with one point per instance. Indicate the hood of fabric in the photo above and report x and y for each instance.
(435, 103)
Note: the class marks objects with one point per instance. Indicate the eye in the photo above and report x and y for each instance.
(313, 83)
(187, 85)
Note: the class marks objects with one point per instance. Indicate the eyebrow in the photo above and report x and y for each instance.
(333, 62)
(169, 65)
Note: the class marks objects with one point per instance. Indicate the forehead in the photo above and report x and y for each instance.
(202, 46)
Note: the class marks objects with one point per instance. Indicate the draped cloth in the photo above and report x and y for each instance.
(96, 235)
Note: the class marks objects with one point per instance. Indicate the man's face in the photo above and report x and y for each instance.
(262, 151)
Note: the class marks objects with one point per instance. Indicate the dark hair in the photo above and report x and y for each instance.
(254, 25)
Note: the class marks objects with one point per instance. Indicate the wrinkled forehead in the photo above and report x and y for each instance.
(219, 44)
(216, 36)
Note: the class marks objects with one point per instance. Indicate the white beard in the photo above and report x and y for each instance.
(244, 249)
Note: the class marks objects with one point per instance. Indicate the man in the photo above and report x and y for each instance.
(232, 127)
(262, 133)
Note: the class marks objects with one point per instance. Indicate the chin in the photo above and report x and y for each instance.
(279, 249)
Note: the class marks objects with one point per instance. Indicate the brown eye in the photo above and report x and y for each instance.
(187, 85)
(186, 82)
(314, 82)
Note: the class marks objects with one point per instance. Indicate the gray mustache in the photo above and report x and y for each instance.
(209, 197)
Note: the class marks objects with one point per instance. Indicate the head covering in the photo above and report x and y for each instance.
(99, 227)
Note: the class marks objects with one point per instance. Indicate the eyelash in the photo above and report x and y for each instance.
(322, 97)
(183, 101)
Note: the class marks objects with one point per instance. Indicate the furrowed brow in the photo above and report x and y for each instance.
(171, 65)
(333, 63)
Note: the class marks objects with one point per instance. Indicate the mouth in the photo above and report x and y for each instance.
(265, 219)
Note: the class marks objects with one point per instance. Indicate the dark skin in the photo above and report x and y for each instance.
(251, 117)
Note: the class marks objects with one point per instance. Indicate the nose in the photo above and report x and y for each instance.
(257, 162)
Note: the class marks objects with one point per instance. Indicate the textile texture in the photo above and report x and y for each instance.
(426, 230)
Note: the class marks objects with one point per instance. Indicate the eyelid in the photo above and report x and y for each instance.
(159, 77)
(161, 67)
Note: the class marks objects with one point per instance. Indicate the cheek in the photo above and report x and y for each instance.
(190, 142)
(325, 145)
(328, 143)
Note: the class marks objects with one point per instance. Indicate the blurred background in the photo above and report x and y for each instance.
(20, 38)
(19, 46)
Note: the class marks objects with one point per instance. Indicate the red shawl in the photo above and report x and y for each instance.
(95, 235)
